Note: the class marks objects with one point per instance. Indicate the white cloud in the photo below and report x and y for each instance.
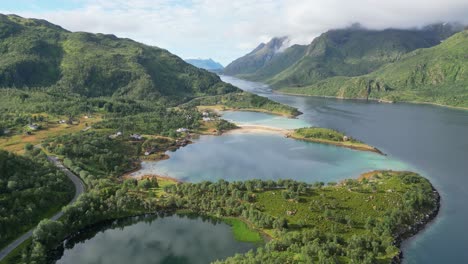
(226, 29)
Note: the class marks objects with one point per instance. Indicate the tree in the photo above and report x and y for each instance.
(12, 185)
(28, 147)
(145, 184)
(48, 233)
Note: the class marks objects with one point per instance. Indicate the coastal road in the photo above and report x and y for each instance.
(79, 189)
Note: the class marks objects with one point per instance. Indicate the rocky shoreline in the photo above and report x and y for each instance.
(416, 227)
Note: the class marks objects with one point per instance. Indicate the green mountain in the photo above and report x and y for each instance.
(36, 53)
(256, 59)
(343, 52)
(207, 64)
(437, 75)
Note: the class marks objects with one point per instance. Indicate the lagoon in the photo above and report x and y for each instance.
(267, 156)
(432, 140)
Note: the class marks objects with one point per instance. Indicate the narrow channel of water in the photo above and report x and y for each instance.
(432, 140)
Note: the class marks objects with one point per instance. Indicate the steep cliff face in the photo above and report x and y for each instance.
(258, 57)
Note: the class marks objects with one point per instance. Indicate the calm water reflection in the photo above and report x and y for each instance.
(236, 157)
(170, 239)
(433, 140)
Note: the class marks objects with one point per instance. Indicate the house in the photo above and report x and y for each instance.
(33, 127)
(62, 122)
(345, 138)
(136, 137)
(207, 119)
(182, 130)
(118, 134)
(206, 114)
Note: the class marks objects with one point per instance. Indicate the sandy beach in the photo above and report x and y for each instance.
(249, 129)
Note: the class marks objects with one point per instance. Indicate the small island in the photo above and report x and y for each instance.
(330, 136)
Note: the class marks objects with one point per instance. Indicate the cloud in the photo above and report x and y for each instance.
(226, 29)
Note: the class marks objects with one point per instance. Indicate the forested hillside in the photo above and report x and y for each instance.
(341, 52)
(437, 75)
(30, 190)
(36, 53)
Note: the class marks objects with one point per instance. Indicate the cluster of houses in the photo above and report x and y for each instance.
(136, 137)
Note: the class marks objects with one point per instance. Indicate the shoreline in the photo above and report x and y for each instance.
(216, 108)
(364, 147)
(399, 238)
(250, 129)
(416, 228)
(373, 99)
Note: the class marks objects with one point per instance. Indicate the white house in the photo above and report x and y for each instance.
(136, 136)
(182, 130)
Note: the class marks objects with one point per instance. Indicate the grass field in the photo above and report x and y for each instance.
(242, 231)
(341, 209)
(16, 143)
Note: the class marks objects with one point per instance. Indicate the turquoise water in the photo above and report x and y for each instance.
(236, 157)
(433, 140)
(262, 119)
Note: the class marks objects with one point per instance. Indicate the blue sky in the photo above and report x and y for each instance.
(227, 29)
(39, 5)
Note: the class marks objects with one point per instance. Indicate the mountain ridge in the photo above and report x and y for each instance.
(437, 75)
(258, 57)
(207, 64)
(350, 51)
(37, 53)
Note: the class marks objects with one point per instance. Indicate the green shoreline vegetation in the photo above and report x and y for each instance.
(391, 65)
(242, 231)
(243, 102)
(100, 103)
(344, 222)
(100, 160)
(329, 136)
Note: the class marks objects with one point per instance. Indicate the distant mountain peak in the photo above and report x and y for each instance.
(207, 64)
(260, 56)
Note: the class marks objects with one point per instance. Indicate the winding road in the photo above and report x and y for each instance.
(79, 189)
